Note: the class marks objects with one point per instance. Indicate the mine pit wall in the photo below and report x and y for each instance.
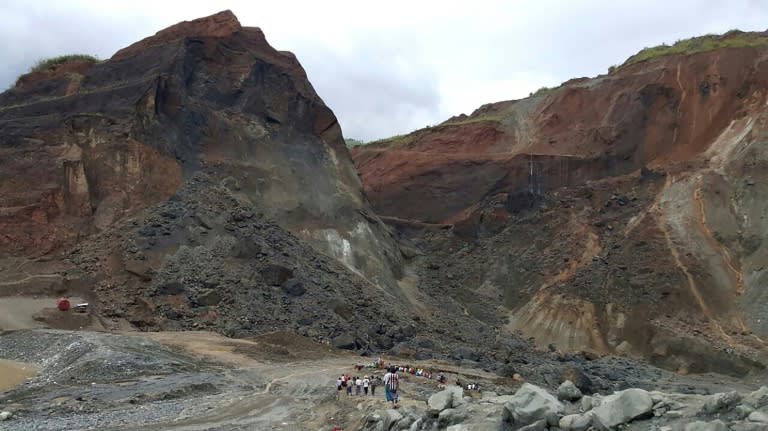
(201, 96)
(78, 180)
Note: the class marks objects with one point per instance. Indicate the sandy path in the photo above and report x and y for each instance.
(297, 393)
(16, 312)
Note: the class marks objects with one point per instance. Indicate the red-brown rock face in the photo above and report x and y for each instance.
(91, 143)
(619, 213)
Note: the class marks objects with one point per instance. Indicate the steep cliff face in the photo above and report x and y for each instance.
(194, 180)
(620, 213)
(87, 144)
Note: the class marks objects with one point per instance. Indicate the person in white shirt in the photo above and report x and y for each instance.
(366, 383)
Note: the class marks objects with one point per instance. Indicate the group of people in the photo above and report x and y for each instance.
(473, 387)
(378, 363)
(361, 386)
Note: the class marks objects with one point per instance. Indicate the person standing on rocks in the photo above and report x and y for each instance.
(358, 385)
(374, 383)
(366, 384)
(391, 385)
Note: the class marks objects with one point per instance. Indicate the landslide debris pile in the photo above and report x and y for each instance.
(227, 267)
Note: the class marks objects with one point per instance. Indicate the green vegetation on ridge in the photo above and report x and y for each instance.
(352, 142)
(50, 63)
(731, 39)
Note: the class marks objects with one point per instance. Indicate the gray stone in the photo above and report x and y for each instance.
(540, 425)
(294, 287)
(622, 407)
(483, 417)
(758, 417)
(747, 426)
(391, 417)
(276, 275)
(498, 399)
(742, 411)
(568, 391)
(588, 403)
(758, 398)
(716, 425)
(580, 422)
(208, 298)
(5, 415)
(450, 417)
(721, 402)
(579, 378)
(450, 397)
(344, 341)
(170, 288)
(532, 403)
(440, 401)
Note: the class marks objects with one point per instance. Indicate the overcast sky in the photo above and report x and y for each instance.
(388, 67)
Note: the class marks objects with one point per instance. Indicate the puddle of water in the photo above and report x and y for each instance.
(12, 373)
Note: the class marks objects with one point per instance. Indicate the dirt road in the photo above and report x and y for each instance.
(17, 312)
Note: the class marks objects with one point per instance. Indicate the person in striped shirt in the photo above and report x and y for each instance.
(391, 386)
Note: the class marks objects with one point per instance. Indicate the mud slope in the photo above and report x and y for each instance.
(623, 213)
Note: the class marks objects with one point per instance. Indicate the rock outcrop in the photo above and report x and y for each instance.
(622, 213)
(155, 175)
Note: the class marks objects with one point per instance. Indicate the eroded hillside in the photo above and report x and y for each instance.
(623, 213)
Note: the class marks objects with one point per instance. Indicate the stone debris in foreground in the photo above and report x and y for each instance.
(535, 408)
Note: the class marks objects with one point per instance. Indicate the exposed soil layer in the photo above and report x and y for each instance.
(623, 213)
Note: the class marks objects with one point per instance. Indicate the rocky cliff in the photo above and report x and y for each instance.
(622, 213)
(189, 169)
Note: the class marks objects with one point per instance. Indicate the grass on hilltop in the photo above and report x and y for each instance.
(731, 39)
(45, 64)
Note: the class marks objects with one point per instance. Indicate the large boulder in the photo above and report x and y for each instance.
(622, 407)
(452, 396)
(390, 418)
(344, 341)
(758, 417)
(568, 391)
(720, 402)
(532, 403)
(478, 417)
(450, 417)
(576, 422)
(757, 399)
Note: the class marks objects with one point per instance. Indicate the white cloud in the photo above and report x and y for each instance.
(389, 67)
